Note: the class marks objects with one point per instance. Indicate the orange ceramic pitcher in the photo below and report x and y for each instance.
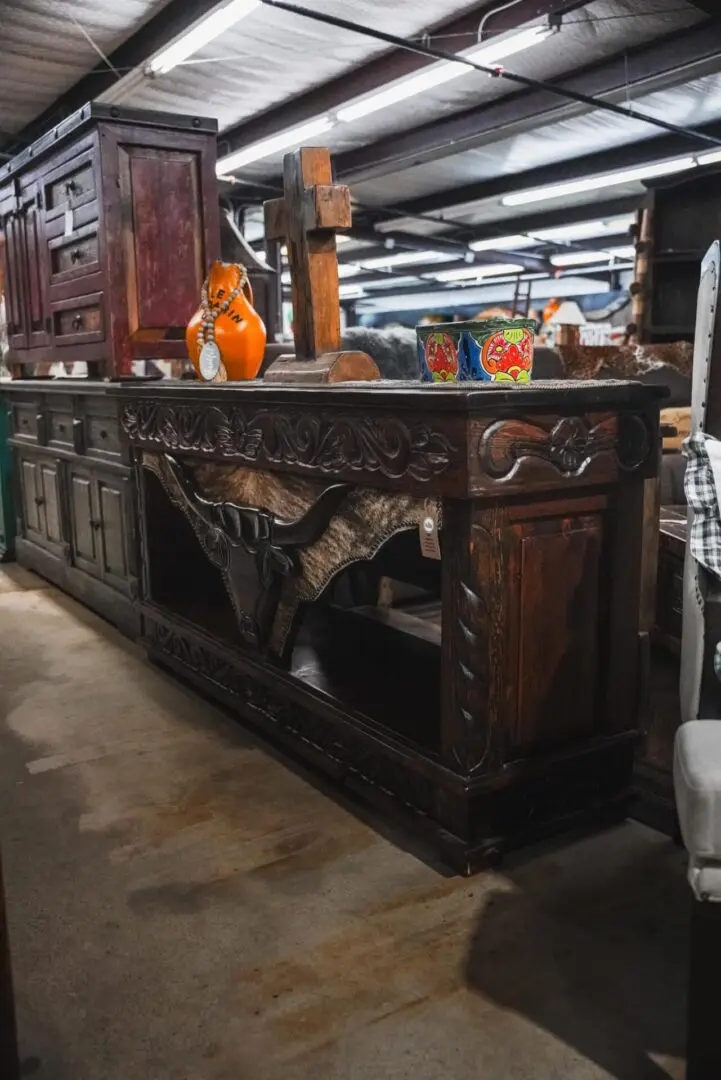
(226, 336)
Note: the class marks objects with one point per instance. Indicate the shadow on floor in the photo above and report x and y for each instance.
(599, 961)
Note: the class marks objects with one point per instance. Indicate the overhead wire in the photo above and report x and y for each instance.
(495, 71)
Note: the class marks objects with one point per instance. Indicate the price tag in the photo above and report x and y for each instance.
(428, 530)
(68, 222)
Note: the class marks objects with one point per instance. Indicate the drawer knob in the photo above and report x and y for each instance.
(39, 500)
(103, 433)
(76, 255)
(77, 322)
(61, 428)
(95, 524)
(71, 188)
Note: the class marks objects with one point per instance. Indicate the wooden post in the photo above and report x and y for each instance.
(9, 1061)
(307, 215)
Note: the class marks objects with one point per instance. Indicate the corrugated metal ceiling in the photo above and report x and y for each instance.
(43, 51)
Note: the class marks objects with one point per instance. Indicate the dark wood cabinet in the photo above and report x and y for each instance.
(73, 491)
(110, 222)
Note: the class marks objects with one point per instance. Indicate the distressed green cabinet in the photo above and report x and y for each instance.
(7, 513)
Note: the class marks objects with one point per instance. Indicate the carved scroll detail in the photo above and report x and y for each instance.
(569, 446)
(327, 444)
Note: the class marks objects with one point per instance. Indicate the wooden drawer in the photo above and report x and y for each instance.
(26, 421)
(71, 184)
(60, 428)
(79, 321)
(102, 436)
(75, 256)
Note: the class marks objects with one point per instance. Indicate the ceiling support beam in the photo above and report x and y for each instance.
(679, 56)
(392, 64)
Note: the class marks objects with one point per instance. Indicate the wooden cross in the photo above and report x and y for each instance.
(307, 215)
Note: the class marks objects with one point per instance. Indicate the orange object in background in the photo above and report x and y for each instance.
(227, 318)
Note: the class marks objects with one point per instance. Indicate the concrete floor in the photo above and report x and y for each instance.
(184, 905)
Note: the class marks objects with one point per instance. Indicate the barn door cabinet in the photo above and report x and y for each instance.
(73, 494)
(110, 223)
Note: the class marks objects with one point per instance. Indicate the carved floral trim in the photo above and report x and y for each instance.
(327, 444)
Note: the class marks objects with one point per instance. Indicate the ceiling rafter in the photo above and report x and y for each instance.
(628, 72)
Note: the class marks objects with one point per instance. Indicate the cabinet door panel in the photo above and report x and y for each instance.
(30, 495)
(162, 289)
(111, 502)
(83, 520)
(15, 284)
(33, 243)
(50, 494)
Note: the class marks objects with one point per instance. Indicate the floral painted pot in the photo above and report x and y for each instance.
(441, 352)
(486, 350)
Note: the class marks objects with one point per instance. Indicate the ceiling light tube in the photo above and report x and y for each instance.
(284, 140)
(200, 35)
(586, 230)
(503, 243)
(350, 292)
(593, 183)
(710, 158)
(473, 272)
(407, 258)
(437, 74)
(345, 270)
(578, 258)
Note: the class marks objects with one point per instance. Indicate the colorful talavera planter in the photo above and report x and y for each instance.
(488, 350)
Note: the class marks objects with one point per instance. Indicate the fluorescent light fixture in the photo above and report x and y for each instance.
(587, 230)
(391, 282)
(503, 243)
(437, 74)
(345, 270)
(284, 140)
(201, 34)
(474, 272)
(578, 258)
(710, 158)
(593, 183)
(350, 292)
(339, 239)
(407, 258)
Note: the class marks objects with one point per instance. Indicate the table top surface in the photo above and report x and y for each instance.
(453, 397)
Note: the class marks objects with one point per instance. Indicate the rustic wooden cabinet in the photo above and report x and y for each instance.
(7, 516)
(110, 222)
(73, 494)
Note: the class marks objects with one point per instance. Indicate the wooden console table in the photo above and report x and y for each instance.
(500, 706)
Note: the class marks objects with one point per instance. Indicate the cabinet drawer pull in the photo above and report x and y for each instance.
(39, 500)
(76, 255)
(95, 524)
(71, 188)
(77, 323)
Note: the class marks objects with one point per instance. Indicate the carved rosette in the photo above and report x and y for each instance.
(569, 446)
(329, 444)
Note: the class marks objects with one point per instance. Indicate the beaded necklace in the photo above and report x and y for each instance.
(210, 360)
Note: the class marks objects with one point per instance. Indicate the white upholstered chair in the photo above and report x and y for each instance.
(697, 764)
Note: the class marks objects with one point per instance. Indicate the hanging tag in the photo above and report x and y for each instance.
(428, 529)
(68, 222)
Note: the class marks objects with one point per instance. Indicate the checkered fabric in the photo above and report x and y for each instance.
(703, 456)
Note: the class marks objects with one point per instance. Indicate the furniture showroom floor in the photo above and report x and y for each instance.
(185, 905)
